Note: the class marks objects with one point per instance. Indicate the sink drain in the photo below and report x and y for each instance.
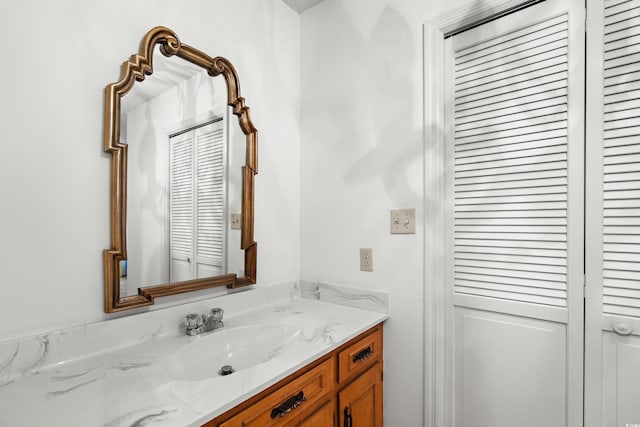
(226, 370)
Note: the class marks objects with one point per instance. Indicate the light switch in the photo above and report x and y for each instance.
(236, 221)
(366, 259)
(403, 221)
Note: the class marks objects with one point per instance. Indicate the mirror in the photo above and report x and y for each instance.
(182, 171)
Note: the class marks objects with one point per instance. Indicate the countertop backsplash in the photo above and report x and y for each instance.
(351, 297)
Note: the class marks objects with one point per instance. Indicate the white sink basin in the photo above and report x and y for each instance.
(241, 347)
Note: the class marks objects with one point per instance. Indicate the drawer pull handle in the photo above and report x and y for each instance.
(363, 355)
(289, 405)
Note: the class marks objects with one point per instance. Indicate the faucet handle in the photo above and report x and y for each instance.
(193, 324)
(217, 313)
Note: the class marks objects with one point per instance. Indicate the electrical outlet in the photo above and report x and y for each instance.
(403, 221)
(366, 259)
(236, 221)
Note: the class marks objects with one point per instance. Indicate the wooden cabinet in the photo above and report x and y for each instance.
(360, 402)
(289, 400)
(360, 366)
(359, 354)
(323, 417)
(349, 378)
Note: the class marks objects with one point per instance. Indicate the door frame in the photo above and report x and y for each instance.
(437, 319)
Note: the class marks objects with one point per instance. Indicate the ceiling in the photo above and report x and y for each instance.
(301, 5)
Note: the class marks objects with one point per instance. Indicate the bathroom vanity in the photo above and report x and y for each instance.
(302, 353)
(342, 388)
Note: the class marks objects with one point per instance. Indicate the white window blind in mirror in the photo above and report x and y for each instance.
(510, 166)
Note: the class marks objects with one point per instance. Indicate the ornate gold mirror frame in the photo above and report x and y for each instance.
(135, 69)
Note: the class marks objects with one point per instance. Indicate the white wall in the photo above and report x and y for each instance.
(54, 176)
(362, 155)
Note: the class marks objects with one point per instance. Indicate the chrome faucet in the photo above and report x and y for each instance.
(196, 324)
(213, 321)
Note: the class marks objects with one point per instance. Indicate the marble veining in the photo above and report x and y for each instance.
(144, 417)
(151, 417)
(295, 291)
(86, 377)
(41, 358)
(132, 365)
(69, 376)
(26, 356)
(321, 335)
(5, 366)
(357, 298)
(73, 387)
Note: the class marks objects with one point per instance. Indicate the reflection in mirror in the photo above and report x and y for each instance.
(183, 160)
(186, 154)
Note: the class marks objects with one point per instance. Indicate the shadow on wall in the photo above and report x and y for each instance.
(396, 143)
(276, 145)
(377, 136)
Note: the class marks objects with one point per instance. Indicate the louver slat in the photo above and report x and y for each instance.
(621, 162)
(181, 188)
(510, 166)
(210, 194)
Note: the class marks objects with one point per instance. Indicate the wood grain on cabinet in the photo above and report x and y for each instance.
(349, 376)
(360, 402)
(323, 417)
(271, 411)
(360, 355)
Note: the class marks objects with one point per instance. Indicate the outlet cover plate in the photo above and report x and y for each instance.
(366, 259)
(403, 221)
(236, 221)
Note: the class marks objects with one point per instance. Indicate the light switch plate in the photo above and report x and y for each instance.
(366, 259)
(236, 221)
(403, 221)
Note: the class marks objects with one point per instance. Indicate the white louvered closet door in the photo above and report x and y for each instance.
(197, 227)
(516, 194)
(181, 207)
(210, 200)
(612, 352)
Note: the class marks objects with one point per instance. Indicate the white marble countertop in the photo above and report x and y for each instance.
(132, 386)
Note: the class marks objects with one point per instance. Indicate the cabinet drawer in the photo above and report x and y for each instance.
(290, 401)
(360, 355)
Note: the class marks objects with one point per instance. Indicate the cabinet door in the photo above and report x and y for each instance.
(323, 417)
(360, 403)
